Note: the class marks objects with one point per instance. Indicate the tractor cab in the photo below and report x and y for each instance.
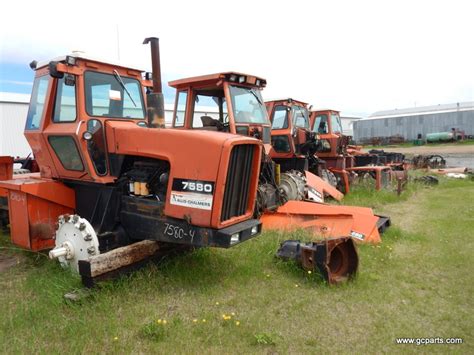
(292, 141)
(327, 124)
(72, 98)
(223, 102)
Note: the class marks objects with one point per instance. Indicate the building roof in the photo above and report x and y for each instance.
(424, 110)
(13, 97)
(347, 117)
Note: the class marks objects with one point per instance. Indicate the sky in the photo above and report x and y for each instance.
(354, 56)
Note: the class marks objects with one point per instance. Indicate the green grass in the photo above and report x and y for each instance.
(418, 283)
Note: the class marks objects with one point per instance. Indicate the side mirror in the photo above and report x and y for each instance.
(53, 70)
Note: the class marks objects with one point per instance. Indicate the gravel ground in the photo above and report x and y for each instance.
(455, 155)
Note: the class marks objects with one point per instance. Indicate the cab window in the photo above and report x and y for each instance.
(65, 106)
(300, 117)
(96, 146)
(66, 151)
(321, 124)
(336, 123)
(210, 110)
(180, 109)
(280, 117)
(112, 95)
(38, 97)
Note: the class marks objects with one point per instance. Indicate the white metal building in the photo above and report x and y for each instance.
(347, 123)
(13, 112)
(411, 122)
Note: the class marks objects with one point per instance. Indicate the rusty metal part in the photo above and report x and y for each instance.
(6, 168)
(319, 184)
(381, 174)
(427, 180)
(336, 259)
(155, 62)
(155, 99)
(34, 204)
(433, 161)
(326, 221)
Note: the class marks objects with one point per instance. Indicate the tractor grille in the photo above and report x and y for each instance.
(236, 194)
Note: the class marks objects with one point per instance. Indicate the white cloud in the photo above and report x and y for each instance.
(357, 56)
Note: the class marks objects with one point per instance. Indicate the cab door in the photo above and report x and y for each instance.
(300, 124)
(62, 130)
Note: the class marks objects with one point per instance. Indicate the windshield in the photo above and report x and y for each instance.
(321, 124)
(336, 123)
(38, 97)
(300, 117)
(247, 104)
(113, 96)
(280, 117)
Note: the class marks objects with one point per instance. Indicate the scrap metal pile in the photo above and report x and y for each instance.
(433, 161)
(115, 188)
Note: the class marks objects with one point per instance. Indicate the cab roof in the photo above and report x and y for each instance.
(214, 78)
(323, 109)
(289, 100)
(86, 57)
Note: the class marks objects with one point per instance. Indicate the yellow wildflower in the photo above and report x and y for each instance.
(237, 323)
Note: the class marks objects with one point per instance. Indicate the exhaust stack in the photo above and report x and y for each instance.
(155, 100)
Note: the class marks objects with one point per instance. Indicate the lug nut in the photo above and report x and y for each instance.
(91, 250)
(88, 237)
(82, 226)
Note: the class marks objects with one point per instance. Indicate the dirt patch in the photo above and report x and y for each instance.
(428, 149)
(8, 261)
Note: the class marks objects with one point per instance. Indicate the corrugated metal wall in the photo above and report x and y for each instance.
(12, 125)
(410, 126)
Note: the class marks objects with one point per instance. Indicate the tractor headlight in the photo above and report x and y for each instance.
(234, 238)
(254, 230)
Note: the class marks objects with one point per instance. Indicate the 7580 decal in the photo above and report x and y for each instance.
(196, 186)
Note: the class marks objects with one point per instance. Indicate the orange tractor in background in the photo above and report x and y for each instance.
(295, 146)
(116, 188)
(288, 198)
(344, 159)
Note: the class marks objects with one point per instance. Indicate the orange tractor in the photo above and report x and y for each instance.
(342, 158)
(287, 198)
(115, 187)
(295, 146)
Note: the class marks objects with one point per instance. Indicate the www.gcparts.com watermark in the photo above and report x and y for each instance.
(427, 341)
